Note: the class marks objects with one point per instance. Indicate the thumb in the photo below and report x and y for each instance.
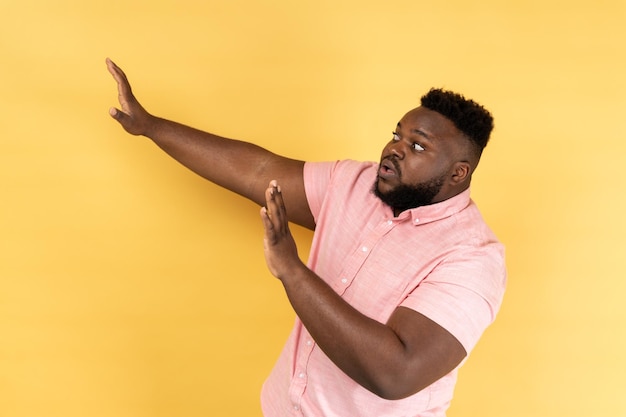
(115, 113)
(124, 120)
(118, 115)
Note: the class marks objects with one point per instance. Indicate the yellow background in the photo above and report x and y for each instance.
(130, 287)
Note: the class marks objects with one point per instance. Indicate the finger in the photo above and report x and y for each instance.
(275, 204)
(110, 64)
(120, 116)
(270, 235)
(123, 86)
(124, 119)
(116, 71)
(270, 208)
(280, 202)
(265, 217)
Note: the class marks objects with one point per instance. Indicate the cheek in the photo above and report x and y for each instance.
(424, 170)
(413, 174)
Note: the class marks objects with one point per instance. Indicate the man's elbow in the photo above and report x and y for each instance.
(397, 388)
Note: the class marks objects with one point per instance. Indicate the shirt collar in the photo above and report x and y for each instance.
(438, 211)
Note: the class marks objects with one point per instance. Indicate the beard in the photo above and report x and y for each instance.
(405, 197)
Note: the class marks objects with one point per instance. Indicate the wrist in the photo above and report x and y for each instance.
(152, 126)
(293, 272)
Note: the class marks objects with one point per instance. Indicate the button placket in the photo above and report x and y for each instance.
(355, 261)
(299, 379)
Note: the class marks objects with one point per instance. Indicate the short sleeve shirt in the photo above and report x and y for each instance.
(440, 260)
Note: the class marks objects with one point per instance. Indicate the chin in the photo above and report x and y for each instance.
(382, 186)
(380, 189)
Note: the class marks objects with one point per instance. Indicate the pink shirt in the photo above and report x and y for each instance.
(440, 260)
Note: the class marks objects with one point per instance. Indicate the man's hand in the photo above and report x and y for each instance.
(133, 117)
(281, 253)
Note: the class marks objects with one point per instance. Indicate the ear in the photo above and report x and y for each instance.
(461, 172)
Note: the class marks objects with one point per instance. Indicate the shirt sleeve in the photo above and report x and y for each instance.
(464, 293)
(317, 179)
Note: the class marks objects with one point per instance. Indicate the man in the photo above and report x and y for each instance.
(403, 275)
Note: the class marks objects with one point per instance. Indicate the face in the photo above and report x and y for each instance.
(422, 162)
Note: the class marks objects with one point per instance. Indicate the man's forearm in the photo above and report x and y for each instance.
(235, 165)
(366, 350)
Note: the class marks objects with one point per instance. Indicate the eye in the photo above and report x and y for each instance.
(395, 137)
(416, 146)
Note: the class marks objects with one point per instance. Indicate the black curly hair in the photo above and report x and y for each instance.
(469, 117)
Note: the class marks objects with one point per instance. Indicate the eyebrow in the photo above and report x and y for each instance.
(419, 132)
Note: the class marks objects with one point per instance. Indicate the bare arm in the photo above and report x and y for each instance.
(394, 359)
(241, 167)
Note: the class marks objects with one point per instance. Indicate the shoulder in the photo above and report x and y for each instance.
(336, 180)
(330, 169)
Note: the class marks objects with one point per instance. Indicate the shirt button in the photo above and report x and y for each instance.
(301, 375)
(364, 249)
(344, 280)
(389, 222)
(309, 342)
(295, 407)
(416, 220)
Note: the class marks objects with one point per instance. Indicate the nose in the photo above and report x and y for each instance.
(398, 149)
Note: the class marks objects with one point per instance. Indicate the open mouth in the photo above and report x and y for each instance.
(388, 169)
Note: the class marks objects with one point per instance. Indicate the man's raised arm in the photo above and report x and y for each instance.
(241, 167)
